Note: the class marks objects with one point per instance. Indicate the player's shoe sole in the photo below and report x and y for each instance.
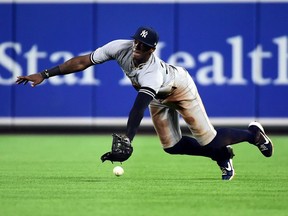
(262, 141)
(226, 166)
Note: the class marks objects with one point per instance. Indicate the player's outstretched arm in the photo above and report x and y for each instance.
(75, 64)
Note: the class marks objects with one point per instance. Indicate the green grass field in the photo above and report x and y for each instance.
(63, 175)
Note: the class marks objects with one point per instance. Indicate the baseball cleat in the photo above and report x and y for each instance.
(262, 141)
(226, 166)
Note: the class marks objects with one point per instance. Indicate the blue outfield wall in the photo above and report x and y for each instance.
(237, 53)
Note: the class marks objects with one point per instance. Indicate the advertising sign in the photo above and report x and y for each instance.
(236, 51)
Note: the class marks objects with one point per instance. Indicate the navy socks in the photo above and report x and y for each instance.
(216, 149)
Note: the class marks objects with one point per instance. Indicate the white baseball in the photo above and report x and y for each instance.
(118, 171)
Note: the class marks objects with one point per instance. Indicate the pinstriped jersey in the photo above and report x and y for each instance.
(154, 77)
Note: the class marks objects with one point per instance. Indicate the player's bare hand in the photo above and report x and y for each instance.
(36, 79)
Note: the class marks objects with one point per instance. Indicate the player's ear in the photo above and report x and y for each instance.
(152, 50)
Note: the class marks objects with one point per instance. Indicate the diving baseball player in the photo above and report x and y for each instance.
(168, 91)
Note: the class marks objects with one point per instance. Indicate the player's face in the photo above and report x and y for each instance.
(141, 51)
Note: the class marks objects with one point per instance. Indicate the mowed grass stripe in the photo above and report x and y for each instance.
(63, 175)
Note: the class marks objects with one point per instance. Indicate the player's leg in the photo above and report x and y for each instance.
(254, 135)
(192, 110)
(230, 136)
(195, 116)
(190, 146)
(166, 124)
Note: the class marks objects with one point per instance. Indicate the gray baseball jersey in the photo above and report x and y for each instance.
(154, 74)
(174, 92)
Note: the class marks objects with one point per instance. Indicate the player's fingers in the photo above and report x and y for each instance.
(21, 77)
(19, 81)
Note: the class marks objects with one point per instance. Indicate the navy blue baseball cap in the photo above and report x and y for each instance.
(146, 35)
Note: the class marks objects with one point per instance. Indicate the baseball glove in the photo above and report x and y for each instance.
(121, 149)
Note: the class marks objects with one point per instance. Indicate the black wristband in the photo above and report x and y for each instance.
(51, 72)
